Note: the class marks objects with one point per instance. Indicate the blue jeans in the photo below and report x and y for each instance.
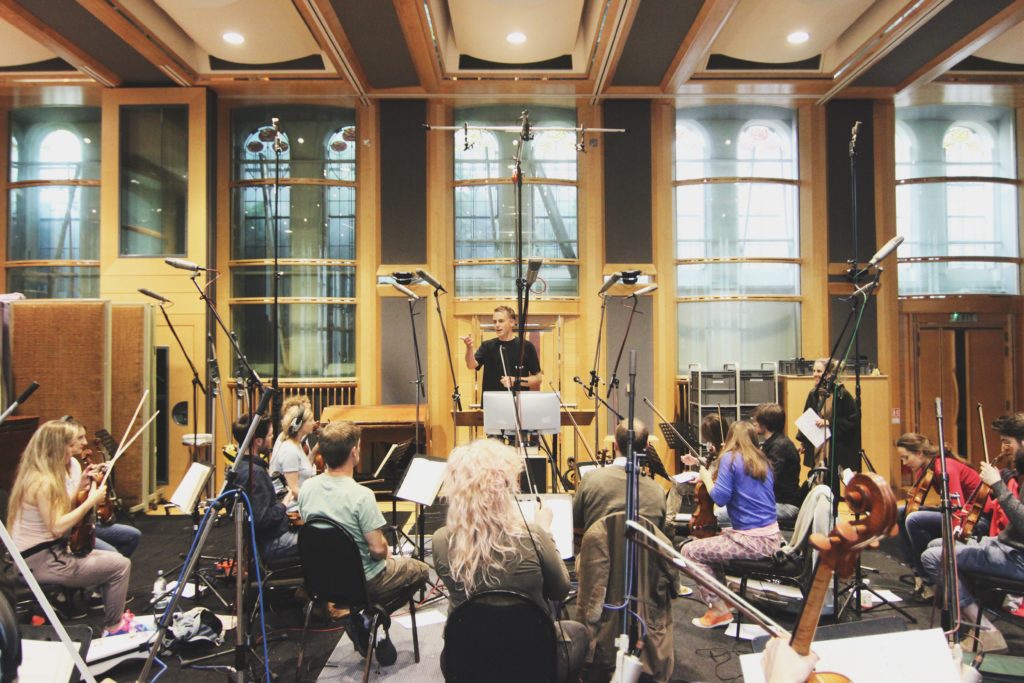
(284, 547)
(120, 538)
(987, 556)
(916, 530)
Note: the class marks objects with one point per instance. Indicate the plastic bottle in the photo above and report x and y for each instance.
(159, 588)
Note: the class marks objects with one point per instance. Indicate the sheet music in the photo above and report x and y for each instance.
(806, 424)
(561, 524)
(422, 481)
(187, 493)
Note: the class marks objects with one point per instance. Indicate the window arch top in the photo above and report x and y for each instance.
(340, 151)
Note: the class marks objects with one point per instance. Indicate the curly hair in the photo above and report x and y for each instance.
(483, 517)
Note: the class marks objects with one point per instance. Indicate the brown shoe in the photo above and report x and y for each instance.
(992, 640)
(337, 612)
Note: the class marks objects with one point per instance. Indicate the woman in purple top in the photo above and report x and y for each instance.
(742, 482)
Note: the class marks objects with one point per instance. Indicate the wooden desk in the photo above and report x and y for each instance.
(474, 417)
(14, 435)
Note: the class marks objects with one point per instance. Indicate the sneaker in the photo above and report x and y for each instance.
(683, 591)
(126, 626)
(386, 652)
(712, 620)
(95, 601)
(991, 640)
(358, 632)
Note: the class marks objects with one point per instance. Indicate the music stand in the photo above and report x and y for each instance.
(421, 484)
(388, 471)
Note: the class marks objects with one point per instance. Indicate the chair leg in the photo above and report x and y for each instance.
(415, 633)
(374, 624)
(739, 614)
(302, 642)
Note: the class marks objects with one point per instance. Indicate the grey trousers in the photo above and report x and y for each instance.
(103, 568)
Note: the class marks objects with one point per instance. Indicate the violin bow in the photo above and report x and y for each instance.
(981, 425)
(572, 419)
(693, 451)
(131, 422)
(124, 447)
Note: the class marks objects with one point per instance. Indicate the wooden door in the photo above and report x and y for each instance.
(989, 382)
(936, 376)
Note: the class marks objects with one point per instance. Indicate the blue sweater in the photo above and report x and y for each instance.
(751, 503)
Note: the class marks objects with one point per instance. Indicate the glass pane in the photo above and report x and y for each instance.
(53, 223)
(737, 279)
(739, 220)
(55, 282)
(485, 222)
(154, 180)
(962, 277)
(498, 280)
(957, 219)
(731, 141)
(317, 340)
(938, 141)
(311, 142)
(489, 154)
(746, 332)
(316, 221)
(297, 281)
(55, 143)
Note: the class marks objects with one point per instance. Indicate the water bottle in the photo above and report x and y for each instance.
(159, 588)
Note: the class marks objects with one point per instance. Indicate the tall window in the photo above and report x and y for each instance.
(485, 202)
(956, 198)
(300, 189)
(737, 236)
(53, 244)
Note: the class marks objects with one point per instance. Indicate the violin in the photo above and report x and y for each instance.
(318, 463)
(294, 518)
(82, 538)
(920, 491)
(105, 510)
(704, 524)
(982, 494)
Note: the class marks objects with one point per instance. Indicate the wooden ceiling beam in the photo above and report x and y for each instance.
(690, 55)
(325, 27)
(999, 24)
(904, 23)
(613, 41)
(416, 29)
(115, 16)
(30, 25)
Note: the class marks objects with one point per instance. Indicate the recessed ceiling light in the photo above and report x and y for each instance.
(798, 37)
(233, 38)
(516, 38)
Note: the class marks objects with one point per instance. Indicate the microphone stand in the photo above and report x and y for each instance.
(197, 384)
(18, 401)
(275, 324)
(595, 379)
(950, 598)
(613, 383)
(420, 393)
(628, 636)
(456, 395)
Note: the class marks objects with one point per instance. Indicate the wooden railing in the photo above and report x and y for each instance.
(321, 393)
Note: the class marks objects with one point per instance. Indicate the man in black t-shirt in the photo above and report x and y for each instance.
(770, 423)
(500, 356)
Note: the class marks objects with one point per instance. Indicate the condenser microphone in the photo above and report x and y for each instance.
(532, 269)
(645, 290)
(413, 296)
(886, 249)
(609, 283)
(431, 280)
(153, 295)
(18, 401)
(186, 265)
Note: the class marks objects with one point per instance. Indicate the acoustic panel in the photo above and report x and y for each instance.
(627, 181)
(131, 326)
(397, 362)
(403, 182)
(65, 346)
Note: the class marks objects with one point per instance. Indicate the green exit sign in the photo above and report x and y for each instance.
(963, 317)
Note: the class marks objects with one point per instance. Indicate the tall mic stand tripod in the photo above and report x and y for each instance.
(950, 596)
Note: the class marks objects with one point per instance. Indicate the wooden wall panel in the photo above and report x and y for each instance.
(131, 342)
(63, 345)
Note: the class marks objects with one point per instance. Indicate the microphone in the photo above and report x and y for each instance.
(532, 269)
(153, 295)
(609, 283)
(886, 249)
(28, 392)
(580, 382)
(413, 296)
(430, 280)
(863, 289)
(853, 135)
(274, 121)
(268, 394)
(186, 265)
(645, 290)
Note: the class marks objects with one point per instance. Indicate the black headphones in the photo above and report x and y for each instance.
(296, 425)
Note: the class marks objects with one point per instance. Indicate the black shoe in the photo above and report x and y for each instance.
(386, 652)
(358, 633)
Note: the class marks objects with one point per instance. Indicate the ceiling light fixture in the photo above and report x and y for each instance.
(798, 37)
(233, 38)
(516, 38)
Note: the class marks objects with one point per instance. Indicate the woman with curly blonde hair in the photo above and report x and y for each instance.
(487, 544)
(42, 513)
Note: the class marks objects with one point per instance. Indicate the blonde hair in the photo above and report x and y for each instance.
(299, 410)
(742, 439)
(484, 521)
(43, 470)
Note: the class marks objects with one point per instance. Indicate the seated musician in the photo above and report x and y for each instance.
(1002, 555)
(499, 356)
(276, 538)
(1006, 426)
(487, 545)
(603, 490)
(335, 494)
(922, 526)
(42, 514)
(123, 538)
(743, 482)
(289, 457)
(712, 435)
(770, 424)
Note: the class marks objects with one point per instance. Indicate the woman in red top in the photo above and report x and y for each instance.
(922, 526)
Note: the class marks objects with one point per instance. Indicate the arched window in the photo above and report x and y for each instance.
(970, 206)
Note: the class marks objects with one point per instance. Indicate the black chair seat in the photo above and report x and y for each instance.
(991, 582)
(788, 566)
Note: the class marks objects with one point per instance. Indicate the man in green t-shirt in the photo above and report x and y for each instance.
(336, 495)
